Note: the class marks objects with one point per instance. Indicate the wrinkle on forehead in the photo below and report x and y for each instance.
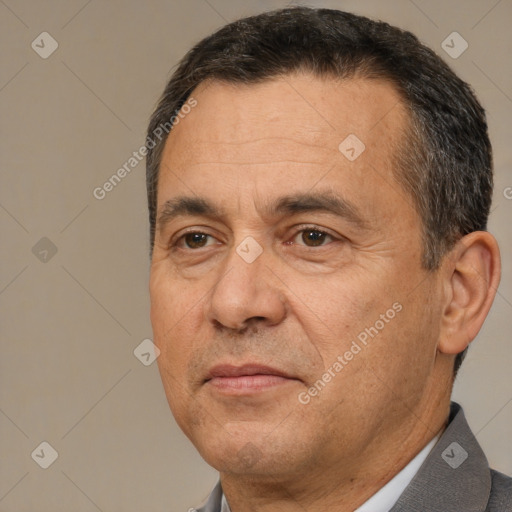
(277, 119)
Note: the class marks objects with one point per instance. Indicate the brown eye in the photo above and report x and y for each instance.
(313, 237)
(195, 240)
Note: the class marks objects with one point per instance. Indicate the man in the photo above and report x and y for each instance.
(320, 265)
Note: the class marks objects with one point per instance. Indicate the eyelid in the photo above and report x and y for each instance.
(313, 227)
(178, 237)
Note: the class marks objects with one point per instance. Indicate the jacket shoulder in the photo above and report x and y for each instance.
(500, 499)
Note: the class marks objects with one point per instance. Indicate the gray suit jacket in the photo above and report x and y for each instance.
(455, 477)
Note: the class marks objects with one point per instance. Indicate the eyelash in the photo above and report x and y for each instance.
(176, 244)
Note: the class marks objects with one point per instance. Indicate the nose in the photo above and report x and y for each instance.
(246, 293)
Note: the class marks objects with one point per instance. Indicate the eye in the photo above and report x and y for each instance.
(312, 237)
(194, 240)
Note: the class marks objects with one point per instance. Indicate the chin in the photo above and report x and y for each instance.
(254, 452)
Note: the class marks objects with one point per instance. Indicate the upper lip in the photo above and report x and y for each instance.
(229, 370)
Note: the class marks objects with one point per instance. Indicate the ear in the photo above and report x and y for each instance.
(471, 278)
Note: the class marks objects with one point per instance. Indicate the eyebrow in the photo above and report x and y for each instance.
(326, 202)
(183, 206)
(293, 204)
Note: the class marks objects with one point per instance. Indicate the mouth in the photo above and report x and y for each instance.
(246, 379)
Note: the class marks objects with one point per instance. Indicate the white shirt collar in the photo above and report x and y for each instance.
(224, 507)
(384, 499)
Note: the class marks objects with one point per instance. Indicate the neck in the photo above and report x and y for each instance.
(348, 484)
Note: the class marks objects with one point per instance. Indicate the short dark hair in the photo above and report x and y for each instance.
(445, 160)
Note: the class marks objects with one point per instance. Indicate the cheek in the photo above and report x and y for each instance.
(364, 321)
(335, 309)
(399, 358)
(173, 313)
(174, 310)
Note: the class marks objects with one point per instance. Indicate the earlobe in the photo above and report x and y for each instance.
(471, 280)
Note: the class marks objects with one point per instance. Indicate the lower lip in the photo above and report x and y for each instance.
(247, 383)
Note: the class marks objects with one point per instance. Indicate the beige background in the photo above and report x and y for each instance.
(70, 324)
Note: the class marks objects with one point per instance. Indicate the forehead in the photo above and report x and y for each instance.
(292, 132)
(298, 110)
(326, 103)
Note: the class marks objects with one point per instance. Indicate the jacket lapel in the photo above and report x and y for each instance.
(454, 477)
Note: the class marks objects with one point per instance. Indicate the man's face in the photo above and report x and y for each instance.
(296, 326)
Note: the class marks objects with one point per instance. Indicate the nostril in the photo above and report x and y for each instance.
(251, 325)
